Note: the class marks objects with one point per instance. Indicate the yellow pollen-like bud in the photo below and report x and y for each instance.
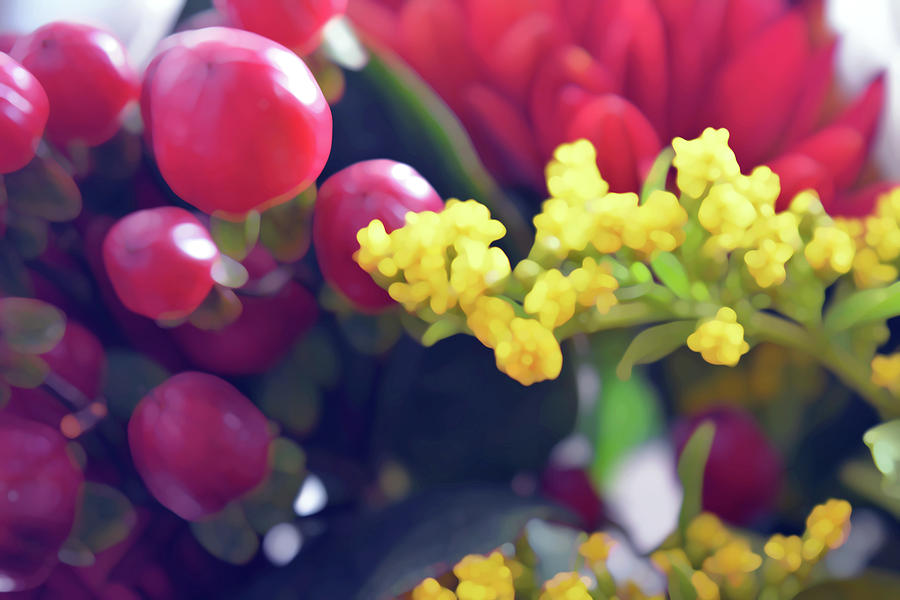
(720, 340)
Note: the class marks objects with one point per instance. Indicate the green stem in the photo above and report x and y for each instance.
(620, 316)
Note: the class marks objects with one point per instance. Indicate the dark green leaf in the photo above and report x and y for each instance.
(28, 234)
(874, 585)
(691, 467)
(220, 308)
(31, 326)
(864, 306)
(104, 519)
(671, 272)
(130, 376)
(14, 280)
(23, 370)
(285, 229)
(228, 535)
(235, 238)
(653, 344)
(370, 334)
(44, 189)
(291, 397)
(273, 501)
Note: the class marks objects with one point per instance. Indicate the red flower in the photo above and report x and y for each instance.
(629, 75)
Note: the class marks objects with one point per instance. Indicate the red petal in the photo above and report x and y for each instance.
(564, 80)
(864, 114)
(376, 20)
(861, 203)
(746, 18)
(799, 172)
(577, 14)
(625, 140)
(816, 86)
(501, 132)
(754, 93)
(632, 46)
(515, 56)
(840, 150)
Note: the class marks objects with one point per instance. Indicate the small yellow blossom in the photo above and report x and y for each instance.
(565, 586)
(477, 268)
(727, 214)
(664, 560)
(430, 589)
(489, 320)
(830, 249)
(597, 548)
(886, 372)
(612, 213)
(762, 187)
(707, 532)
(657, 224)
(720, 340)
(827, 527)
(573, 172)
(704, 161)
(786, 550)
(706, 587)
(484, 578)
(766, 263)
(733, 561)
(551, 299)
(594, 285)
(562, 227)
(869, 271)
(530, 353)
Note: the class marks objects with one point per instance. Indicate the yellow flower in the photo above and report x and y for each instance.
(552, 299)
(594, 285)
(886, 371)
(762, 187)
(664, 560)
(573, 172)
(489, 320)
(562, 227)
(484, 578)
(766, 263)
(727, 214)
(733, 561)
(827, 527)
(786, 550)
(869, 271)
(530, 353)
(430, 589)
(476, 269)
(706, 587)
(720, 340)
(707, 532)
(657, 224)
(612, 214)
(704, 161)
(831, 248)
(597, 548)
(565, 586)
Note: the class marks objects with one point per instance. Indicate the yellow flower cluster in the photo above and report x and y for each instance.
(581, 211)
(827, 528)
(484, 578)
(565, 586)
(430, 589)
(886, 372)
(876, 240)
(720, 340)
(703, 160)
(597, 548)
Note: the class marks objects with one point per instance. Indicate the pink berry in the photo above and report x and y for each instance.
(198, 444)
(238, 122)
(23, 115)
(348, 201)
(744, 471)
(264, 332)
(293, 23)
(159, 262)
(39, 491)
(86, 76)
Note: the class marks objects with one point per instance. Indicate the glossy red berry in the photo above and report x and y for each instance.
(237, 121)
(159, 261)
(23, 115)
(348, 201)
(264, 332)
(293, 23)
(744, 471)
(39, 493)
(87, 78)
(198, 444)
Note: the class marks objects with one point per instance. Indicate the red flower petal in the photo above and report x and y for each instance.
(840, 149)
(861, 203)
(864, 114)
(746, 18)
(799, 172)
(625, 140)
(814, 91)
(755, 92)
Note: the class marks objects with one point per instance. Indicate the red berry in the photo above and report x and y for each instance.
(572, 488)
(87, 78)
(264, 332)
(78, 359)
(159, 261)
(293, 23)
(238, 122)
(198, 443)
(744, 471)
(39, 490)
(36, 404)
(348, 201)
(23, 114)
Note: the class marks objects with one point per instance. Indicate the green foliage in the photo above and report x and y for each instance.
(691, 467)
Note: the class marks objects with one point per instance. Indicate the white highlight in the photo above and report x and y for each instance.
(312, 496)
(282, 543)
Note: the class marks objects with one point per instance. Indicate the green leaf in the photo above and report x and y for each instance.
(272, 502)
(863, 478)
(220, 308)
(43, 189)
(864, 306)
(370, 334)
(235, 238)
(659, 172)
(653, 344)
(691, 467)
(229, 273)
(285, 229)
(672, 273)
(873, 585)
(440, 330)
(884, 442)
(680, 586)
(28, 234)
(104, 519)
(23, 370)
(14, 280)
(130, 376)
(291, 397)
(228, 535)
(31, 326)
